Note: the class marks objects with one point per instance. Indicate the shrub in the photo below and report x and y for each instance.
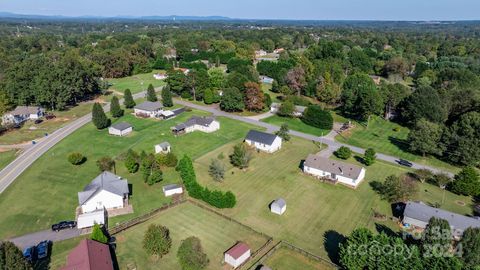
(131, 161)
(286, 109)
(315, 116)
(241, 156)
(105, 164)
(169, 160)
(98, 234)
(156, 240)
(76, 158)
(369, 157)
(467, 182)
(343, 152)
(215, 198)
(216, 170)
(190, 254)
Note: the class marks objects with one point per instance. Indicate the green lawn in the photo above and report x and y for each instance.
(315, 210)
(7, 157)
(266, 88)
(215, 233)
(287, 259)
(30, 131)
(47, 191)
(295, 124)
(136, 83)
(382, 137)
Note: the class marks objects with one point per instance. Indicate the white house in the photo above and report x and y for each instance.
(263, 141)
(418, 214)
(237, 254)
(163, 148)
(334, 170)
(298, 112)
(160, 76)
(196, 123)
(106, 191)
(260, 53)
(148, 109)
(87, 220)
(170, 190)
(266, 79)
(279, 206)
(120, 129)
(279, 50)
(22, 114)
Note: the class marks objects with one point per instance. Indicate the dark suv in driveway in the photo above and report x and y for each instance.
(42, 249)
(64, 225)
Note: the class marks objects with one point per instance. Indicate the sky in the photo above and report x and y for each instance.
(256, 9)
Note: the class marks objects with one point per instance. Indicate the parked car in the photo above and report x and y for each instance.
(405, 163)
(64, 225)
(42, 249)
(29, 254)
(50, 116)
(38, 121)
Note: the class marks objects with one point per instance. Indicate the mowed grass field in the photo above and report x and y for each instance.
(7, 157)
(47, 191)
(382, 136)
(216, 234)
(287, 259)
(136, 83)
(295, 124)
(315, 211)
(31, 131)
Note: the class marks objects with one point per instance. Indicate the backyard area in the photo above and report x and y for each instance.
(318, 214)
(388, 138)
(136, 83)
(295, 124)
(287, 259)
(54, 182)
(216, 234)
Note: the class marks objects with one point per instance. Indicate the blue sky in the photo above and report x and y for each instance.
(257, 9)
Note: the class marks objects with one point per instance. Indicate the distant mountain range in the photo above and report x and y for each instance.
(152, 18)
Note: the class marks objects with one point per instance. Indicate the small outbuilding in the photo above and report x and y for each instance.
(120, 129)
(279, 206)
(170, 190)
(163, 148)
(263, 141)
(237, 255)
(87, 220)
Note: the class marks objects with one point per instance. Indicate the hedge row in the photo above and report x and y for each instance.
(213, 197)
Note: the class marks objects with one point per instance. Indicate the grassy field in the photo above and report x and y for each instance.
(295, 124)
(7, 157)
(136, 83)
(47, 191)
(317, 213)
(215, 233)
(388, 138)
(287, 259)
(30, 131)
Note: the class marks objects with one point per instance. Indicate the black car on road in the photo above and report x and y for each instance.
(64, 225)
(405, 163)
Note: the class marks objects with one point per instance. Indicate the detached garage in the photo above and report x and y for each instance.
(87, 220)
(120, 129)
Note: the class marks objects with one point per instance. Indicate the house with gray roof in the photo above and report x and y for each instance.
(197, 123)
(120, 129)
(417, 214)
(279, 206)
(106, 191)
(148, 109)
(334, 170)
(263, 141)
(22, 114)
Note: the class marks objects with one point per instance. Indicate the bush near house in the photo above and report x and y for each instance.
(215, 198)
(343, 152)
(76, 158)
(315, 116)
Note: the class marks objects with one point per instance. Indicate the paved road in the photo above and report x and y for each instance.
(31, 154)
(327, 140)
(32, 239)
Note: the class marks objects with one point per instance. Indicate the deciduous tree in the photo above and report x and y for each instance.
(157, 241)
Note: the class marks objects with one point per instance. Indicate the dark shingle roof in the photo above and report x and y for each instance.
(121, 126)
(149, 106)
(104, 181)
(423, 212)
(260, 137)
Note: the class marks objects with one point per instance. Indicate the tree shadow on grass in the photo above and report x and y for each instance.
(377, 187)
(359, 159)
(386, 230)
(331, 241)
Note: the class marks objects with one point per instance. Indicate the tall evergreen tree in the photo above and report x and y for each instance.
(151, 95)
(12, 258)
(99, 118)
(167, 97)
(115, 109)
(128, 99)
(98, 235)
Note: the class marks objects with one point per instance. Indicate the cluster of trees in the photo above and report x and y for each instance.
(215, 198)
(150, 165)
(434, 250)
